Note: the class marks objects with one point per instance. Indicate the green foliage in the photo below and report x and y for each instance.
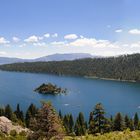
(49, 89)
(13, 136)
(80, 125)
(60, 115)
(125, 67)
(2, 111)
(91, 123)
(30, 113)
(13, 133)
(99, 119)
(68, 123)
(118, 122)
(124, 135)
(127, 122)
(19, 113)
(136, 121)
(8, 112)
(46, 124)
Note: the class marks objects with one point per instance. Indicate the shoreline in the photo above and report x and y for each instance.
(110, 79)
(90, 77)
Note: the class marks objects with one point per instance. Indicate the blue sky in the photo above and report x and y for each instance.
(34, 28)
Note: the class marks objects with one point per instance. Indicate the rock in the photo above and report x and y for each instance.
(6, 126)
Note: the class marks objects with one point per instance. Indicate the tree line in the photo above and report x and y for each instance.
(125, 67)
(99, 123)
(45, 122)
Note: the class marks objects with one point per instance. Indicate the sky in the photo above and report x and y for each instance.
(36, 28)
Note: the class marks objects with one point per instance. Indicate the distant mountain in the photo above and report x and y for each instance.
(53, 57)
(8, 60)
(61, 57)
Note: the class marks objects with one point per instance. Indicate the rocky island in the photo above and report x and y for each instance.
(50, 88)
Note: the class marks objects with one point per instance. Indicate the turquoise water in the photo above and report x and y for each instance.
(83, 93)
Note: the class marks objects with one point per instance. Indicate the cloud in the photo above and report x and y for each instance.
(15, 39)
(40, 38)
(125, 45)
(22, 45)
(81, 36)
(71, 36)
(40, 44)
(3, 41)
(92, 42)
(58, 43)
(118, 31)
(32, 39)
(135, 45)
(3, 53)
(134, 31)
(47, 35)
(55, 35)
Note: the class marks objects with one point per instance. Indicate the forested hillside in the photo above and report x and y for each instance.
(125, 67)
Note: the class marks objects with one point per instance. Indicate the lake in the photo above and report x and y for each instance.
(83, 93)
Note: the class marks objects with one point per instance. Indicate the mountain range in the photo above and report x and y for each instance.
(53, 57)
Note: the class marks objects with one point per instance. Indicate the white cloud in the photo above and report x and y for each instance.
(134, 31)
(47, 35)
(58, 43)
(118, 30)
(81, 36)
(55, 35)
(125, 45)
(3, 41)
(22, 45)
(40, 38)
(3, 53)
(40, 44)
(92, 42)
(135, 45)
(16, 39)
(32, 39)
(71, 36)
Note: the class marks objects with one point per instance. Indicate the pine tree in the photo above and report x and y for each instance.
(91, 123)
(77, 128)
(131, 124)
(60, 115)
(8, 112)
(99, 119)
(71, 123)
(46, 124)
(2, 111)
(80, 125)
(30, 113)
(111, 122)
(66, 123)
(19, 113)
(107, 125)
(136, 121)
(127, 122)
(118, 122)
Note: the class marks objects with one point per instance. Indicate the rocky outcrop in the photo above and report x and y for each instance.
(6, 126)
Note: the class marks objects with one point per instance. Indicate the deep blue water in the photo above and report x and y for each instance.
(83, 93)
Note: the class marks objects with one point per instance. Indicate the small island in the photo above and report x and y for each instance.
(50, 88)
